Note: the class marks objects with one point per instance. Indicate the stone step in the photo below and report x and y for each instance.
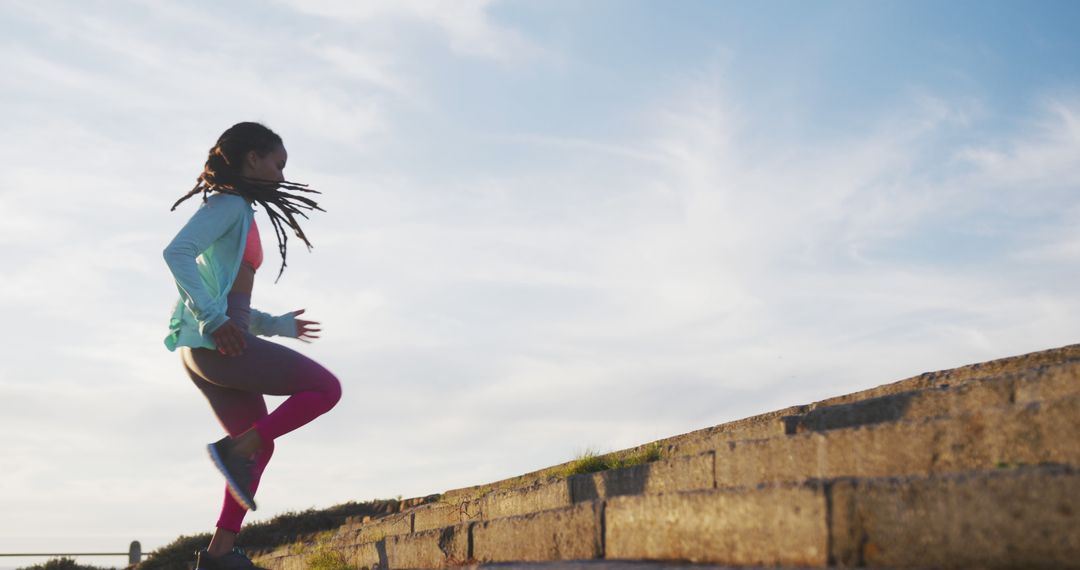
(1027, 434)
(1009, 518)
(1002, 413)
(980, 439)
(999, 437)
(1037, 384)
(1042, 382)
(791, 419)
(962, 374)
(1024, 517)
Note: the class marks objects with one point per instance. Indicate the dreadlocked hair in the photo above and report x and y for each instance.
(222, 173)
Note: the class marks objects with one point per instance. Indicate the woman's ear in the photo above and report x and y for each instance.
(251, 159)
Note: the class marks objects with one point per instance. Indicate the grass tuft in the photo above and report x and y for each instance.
(292, 528)
(591, 461)
(328, 560)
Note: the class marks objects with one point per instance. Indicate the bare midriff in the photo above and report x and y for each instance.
(245, 279)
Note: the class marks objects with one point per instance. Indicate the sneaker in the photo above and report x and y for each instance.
(236, 469)
(234, 559)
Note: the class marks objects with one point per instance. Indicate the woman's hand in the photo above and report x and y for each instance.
(305, 329)
(229, 339)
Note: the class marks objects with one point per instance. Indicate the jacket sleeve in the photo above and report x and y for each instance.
(206, 225)
(264, 324)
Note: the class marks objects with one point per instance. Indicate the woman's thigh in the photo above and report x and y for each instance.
(236, 410)
(264, 367)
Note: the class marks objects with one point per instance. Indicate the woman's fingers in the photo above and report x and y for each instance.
(238, 339)
(305, 328)
(229, 346)
(229, 339)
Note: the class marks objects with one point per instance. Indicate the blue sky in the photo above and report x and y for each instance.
(550, 226)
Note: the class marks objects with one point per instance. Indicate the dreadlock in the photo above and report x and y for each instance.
(222, 174)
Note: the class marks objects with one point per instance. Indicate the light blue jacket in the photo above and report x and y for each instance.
(204, 259)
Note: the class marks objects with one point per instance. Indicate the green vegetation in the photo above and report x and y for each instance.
(591, 461)
(328, 560)
(377, 536)
(180, 553)
(324, 537)
(286, 528)
(1009, 465)
(61, 564)
(309, 531)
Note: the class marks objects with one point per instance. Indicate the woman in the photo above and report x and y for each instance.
(213, 260)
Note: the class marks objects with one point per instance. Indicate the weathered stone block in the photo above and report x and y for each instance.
(770, 424)
(976, 440)
(362, 556)
(956, 376)
(914, 405)
(763, 526)
(570, 533)
(1051, 383)
(1022, 518)
(429, 549)
(685, 473)
(444, 514)
(375, 530)
(525, 500)
(1024, 386)
(277, 560)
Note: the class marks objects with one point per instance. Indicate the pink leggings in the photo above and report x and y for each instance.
(234, 386)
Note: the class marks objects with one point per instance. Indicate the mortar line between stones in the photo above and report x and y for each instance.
(471, 552)
(830, 550)
(712, 465)
(602, 526)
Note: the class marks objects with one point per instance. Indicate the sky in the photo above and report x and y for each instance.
(551, 226)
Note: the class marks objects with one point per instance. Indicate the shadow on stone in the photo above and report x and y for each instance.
(384, 561)
(867, 412)
(611, 483)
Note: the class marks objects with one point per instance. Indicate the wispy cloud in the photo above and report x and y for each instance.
(467, 24)
(1041, 163)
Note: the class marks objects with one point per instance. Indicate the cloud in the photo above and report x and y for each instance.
(158, 71)
(1037, 171)
(369, 66)
(467, 24)
(738, 268)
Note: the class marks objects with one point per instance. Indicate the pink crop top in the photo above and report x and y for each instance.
(253, 253)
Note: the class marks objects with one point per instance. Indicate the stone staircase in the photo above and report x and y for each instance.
(974, 467)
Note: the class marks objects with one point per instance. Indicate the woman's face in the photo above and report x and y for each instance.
(269, 167)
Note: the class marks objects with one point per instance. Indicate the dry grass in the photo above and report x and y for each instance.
(591, 461)
(286, 528)
(63, 563)
(312, 527)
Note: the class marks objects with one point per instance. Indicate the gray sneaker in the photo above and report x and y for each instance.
(236, 469)
(235, 559)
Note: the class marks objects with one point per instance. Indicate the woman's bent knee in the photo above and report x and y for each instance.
(333, 391)
(327, 384)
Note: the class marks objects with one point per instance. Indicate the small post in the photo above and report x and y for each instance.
(135, 553)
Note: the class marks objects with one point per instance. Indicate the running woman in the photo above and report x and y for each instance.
(213, 260)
